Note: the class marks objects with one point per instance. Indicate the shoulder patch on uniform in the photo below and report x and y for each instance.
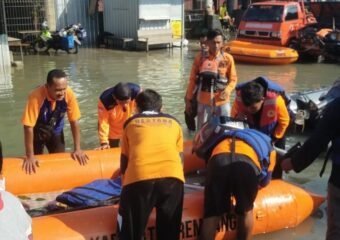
(271, 113)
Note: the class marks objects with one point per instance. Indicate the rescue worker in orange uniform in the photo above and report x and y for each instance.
(115, 105)
(190, 117)
(152, 171)
(263, 104)
(239, 161)
(43, 120)
(212, 78)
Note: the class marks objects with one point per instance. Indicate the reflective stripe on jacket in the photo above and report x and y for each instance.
(226, 69)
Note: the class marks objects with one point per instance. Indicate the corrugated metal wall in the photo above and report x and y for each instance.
(121, 17)
(76, 11)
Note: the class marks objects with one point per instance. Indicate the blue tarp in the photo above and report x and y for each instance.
(92, 194)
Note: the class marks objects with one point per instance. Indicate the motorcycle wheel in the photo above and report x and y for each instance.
(40, 46)
(73, 50)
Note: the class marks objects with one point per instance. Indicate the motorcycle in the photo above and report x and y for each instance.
(68, 39)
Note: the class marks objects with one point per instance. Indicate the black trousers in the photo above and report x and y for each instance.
(56, 144)
(277, 172)
(137, 201)
(114, 142)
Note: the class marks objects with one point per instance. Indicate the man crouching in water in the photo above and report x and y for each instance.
(233, 170)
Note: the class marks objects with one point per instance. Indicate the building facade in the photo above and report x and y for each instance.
(124, 18)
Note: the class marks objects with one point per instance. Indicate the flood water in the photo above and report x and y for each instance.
(93, 70)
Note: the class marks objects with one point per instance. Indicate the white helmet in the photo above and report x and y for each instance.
(44, 25)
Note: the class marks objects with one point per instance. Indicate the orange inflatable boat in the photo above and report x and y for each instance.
(260, 53)
(60, 172)
(279, 205)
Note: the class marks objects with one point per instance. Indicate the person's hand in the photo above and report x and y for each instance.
(241, 116)
(286, 165)
(103, 146)
(30, 164)
(80, 156)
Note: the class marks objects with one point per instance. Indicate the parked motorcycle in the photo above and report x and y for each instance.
(68, 39)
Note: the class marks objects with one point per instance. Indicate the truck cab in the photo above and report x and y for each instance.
(274, 22)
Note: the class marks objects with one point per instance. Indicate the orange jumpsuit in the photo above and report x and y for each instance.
(111, 116)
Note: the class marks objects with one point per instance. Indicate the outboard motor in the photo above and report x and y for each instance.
(308, 106)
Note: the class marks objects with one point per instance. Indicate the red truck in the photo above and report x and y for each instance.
(274, 22)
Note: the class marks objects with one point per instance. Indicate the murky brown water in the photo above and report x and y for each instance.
(93, 70)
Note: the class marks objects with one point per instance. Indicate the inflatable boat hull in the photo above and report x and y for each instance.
(279, 205)
(254, 53)
(60, 172)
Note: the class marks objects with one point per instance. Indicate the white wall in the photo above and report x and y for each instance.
(4, 53)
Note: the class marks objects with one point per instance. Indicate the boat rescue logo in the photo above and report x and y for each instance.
(271, 113)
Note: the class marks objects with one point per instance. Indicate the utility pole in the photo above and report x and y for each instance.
(50, 15)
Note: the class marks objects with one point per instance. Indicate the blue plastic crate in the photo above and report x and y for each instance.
(68, 42)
